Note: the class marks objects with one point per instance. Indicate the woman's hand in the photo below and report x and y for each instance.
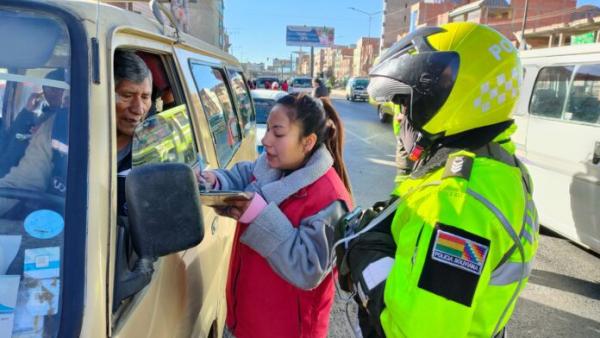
(206, 179)
(235, 208)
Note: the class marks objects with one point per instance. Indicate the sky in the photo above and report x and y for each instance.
(256, 28)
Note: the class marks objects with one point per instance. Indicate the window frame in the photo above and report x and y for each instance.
(221, 67)
(252, 116)
(574, 71)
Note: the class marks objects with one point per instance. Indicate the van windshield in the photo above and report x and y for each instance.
(34, 146)
(302, 83)
(361, 83)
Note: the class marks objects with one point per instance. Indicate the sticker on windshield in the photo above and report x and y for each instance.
(42, 263)
(43, 297)
(9, 286)
(44, 224)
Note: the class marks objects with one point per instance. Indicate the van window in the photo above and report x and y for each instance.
(219, 110)
(242, 97)
(584, 96)
(164, 137)
(550, 91)
(34, 146)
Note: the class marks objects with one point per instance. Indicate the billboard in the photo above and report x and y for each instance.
(309, 36)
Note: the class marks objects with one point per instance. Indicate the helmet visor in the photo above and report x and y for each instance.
(430, 76)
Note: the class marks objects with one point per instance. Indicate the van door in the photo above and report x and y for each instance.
(562, 145)
(171, 303)
(220, 134)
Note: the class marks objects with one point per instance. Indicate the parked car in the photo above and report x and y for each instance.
(300, 84)
(264, 100)
(262, 80)
(356, 89)
(73, 267)
(558, 136)
(385, 111)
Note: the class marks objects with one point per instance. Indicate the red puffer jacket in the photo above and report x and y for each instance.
(262, 304)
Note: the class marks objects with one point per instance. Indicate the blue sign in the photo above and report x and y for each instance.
(309, 36)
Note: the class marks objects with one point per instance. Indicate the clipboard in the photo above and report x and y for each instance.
(221, 198)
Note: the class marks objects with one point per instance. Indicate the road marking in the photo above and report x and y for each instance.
(365, 140)
(382, 162)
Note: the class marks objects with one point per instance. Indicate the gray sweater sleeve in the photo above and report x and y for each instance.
(299, 255)
(236, 178)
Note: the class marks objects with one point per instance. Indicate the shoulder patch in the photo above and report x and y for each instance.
(459, 252)
(455, 260)
(458, 165)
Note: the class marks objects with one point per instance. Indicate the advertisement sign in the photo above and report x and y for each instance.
(582, 38)
(309, 36)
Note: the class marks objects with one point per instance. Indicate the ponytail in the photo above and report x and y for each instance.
(334, 141)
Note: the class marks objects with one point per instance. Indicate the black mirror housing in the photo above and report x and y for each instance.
(164, 209)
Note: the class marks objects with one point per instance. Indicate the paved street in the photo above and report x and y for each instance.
(562, 298)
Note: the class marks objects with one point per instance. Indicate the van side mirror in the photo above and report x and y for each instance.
(164, 217)
(164, 209)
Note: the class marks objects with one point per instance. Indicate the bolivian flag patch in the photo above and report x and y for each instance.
(459, 252)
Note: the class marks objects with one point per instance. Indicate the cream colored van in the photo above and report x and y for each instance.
(69, 266)
(558, 136)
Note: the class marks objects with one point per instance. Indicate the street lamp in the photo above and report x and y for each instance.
(370, 15)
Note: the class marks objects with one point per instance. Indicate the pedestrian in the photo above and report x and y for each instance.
(280, 279)
(284, 86)
(275, 85)
(319, 88)
(465, 231)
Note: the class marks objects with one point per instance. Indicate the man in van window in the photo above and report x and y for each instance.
(133, 92)
(43, 166)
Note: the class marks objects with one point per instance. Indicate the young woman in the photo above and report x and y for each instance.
(280, 283)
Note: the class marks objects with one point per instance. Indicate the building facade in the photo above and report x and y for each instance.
(367, 49)
(396, 20)
(200, 18)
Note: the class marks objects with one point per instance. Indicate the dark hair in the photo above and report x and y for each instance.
(318, 116)
(129, 66)
(318, 81)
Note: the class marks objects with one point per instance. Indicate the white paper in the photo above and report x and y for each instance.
(9, 287)
(42, 263)
(377, 271)
(9, 246)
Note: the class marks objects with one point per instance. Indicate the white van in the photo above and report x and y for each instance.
(69, 266)
(300, 84)
(558, 136)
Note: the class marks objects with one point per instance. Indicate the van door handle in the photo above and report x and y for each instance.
(596, 157)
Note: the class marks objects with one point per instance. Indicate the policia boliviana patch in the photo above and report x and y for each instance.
(454, 262)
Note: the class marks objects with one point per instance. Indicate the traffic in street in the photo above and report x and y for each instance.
(562, 297)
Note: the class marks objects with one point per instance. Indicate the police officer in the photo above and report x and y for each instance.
(464, 233)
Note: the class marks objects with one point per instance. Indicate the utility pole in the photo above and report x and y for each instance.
(523, 42)
(312, 61)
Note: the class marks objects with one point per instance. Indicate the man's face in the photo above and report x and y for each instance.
(133, 103)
